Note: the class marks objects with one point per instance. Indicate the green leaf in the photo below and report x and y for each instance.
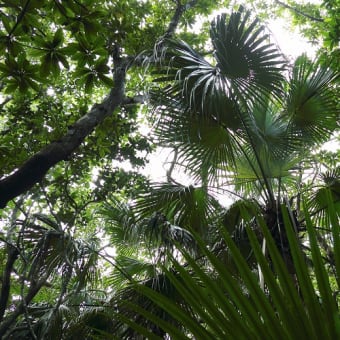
(331, 312)
(58, 38)
(7, 23)
(311, 101)
(106, 80)
(61, 58)
(89, 82)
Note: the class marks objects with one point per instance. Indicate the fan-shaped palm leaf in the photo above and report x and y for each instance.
(52, 248)
(143, 242)
(248, 178)
(131, 300)
(249, 64)
(53, 257)
(311, 108)
(204, 98)
(201, 142)
(318, 202)
(187, 206)
(246, 65)
(129, 227)
(92, 323)
(131, 268)
(120, 223)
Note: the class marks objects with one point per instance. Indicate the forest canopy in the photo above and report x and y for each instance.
(241, 237)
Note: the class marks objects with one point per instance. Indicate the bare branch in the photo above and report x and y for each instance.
(172, 166)
(298, 11)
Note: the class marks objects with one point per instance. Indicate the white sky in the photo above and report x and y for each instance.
(290, 41)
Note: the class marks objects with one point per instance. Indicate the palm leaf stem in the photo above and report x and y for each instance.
(212, 189)
(269, 194)
(172, 166)
(336, 236)
(265, 179)
(116, 266)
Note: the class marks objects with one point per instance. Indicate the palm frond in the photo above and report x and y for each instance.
(201, 142)
(128, 269)
(120, 222)
(249, 64)
(318, 202)
(289, 307)
(312, 108)
(245, 67)
(53, 248)
(189, 207)
(136, 225)
(130, 302)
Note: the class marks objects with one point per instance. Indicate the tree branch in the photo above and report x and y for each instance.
(180, 9)
(13, 254)
(138, 99)
(298, 11)
(20, 309)
(35, 168)
(171, 168)
(20, 17)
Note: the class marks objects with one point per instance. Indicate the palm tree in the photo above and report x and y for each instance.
(222, 307)
(241, 118)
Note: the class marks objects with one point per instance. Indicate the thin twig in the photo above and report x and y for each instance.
(20, 17)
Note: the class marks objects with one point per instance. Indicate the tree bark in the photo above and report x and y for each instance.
(13, 254)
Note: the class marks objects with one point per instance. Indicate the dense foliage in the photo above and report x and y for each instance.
(241, 239)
